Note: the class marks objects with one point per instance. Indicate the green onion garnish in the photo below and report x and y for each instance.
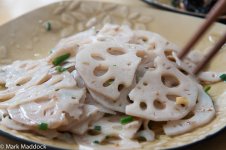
(125, 120)
(96, 142)
(47, 26)
(207, 88)
(60, 59)
(43, 126)
(223, 77)
(60, 69)
(97, 128)
(114, 65)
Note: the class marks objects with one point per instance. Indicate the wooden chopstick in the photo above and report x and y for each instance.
(216, 11)
(210, 54)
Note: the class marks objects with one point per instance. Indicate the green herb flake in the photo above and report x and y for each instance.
(43, 126)
(114, 65)
(207, 88)
(96, 142)
(223, 77)
(57, 61)
(97, 128)
(60, 69)
(47, 26)
(125, 120)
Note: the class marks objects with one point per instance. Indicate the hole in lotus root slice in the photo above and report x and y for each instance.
(97, 56)
(183, 71)
(143, 105)
(115, 51)
(2, 87)
(120, 87)
(45, 79)
(172, 97)
(151, 41)
(170, 80)
(141, 54)
(152, 46)
(143, 38)
(108, 82)
(169, 55)
(93, 132)
(145, 83)
(100, 71)
(158, 104)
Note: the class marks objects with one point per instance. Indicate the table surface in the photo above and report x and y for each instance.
(9, 10)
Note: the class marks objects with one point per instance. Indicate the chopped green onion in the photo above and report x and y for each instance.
(47, 26)
(223, 77)
(60, 59)
(97, 128)
(60, 69)
(207, 88)
(96, 142)
(114, 65)
(126, 120)
(43, 126)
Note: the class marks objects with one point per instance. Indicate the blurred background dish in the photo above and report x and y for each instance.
(190, 7)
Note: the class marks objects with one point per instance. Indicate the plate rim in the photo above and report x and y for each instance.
(20, 139)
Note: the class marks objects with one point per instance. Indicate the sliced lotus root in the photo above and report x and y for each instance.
(170, 55)
(107, 68)
(38, 92)
(154, 45)
(51, 109)
(202, 114)
(23, 74)
(71, 44)
(115, 33)
(151, 41)
(115, 105)
(51, 102)
(154, 97)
